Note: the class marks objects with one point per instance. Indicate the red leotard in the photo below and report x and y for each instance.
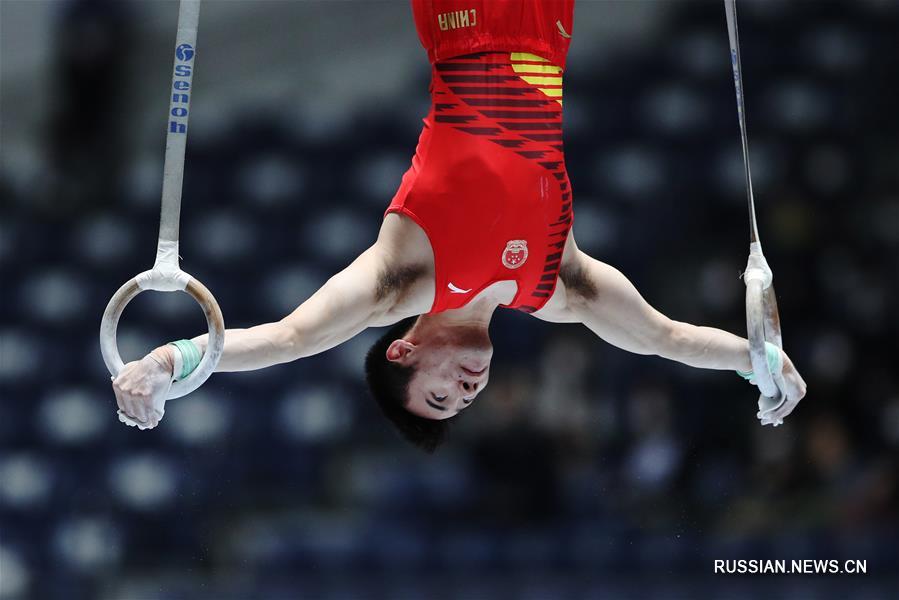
(488, 183)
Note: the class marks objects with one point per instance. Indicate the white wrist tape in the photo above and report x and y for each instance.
(757, 267)
(166, 275)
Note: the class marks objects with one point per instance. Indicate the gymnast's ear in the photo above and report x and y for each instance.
(400, 351)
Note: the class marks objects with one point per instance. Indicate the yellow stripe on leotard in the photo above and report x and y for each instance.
(537, 80)
(519, 56)
(538, 74)
(536, 69)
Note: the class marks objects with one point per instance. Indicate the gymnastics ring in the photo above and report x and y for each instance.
(762, 324)
(159, 281)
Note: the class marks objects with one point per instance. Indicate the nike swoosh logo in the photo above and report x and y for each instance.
(456, 290)
(564, 33)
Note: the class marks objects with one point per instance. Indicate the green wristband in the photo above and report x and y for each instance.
(190, 357)
(747, 375)
(775, 361)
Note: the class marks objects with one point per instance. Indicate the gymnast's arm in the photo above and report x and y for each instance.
(374, 291)
(344, 306)
(603, 299)
(348, 303)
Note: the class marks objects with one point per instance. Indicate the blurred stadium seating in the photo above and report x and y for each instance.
(585, 471)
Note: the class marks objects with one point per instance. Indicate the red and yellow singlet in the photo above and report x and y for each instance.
(488, 183)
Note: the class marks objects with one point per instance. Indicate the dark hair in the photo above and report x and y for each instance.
(389, 382)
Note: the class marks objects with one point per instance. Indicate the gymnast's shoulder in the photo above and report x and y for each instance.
(404, 267)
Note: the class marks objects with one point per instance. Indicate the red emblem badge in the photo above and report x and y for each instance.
(515, 254)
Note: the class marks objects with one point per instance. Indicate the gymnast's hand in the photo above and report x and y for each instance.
(141, 387)
(793, 391)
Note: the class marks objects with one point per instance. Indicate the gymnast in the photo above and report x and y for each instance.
(482, 220)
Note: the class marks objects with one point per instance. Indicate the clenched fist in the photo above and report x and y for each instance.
(141, 387)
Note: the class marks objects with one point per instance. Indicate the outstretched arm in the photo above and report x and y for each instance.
(344, 306)
(603, 299)
(348, 303)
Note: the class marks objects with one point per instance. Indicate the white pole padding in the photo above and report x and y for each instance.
(730, 12)
(166, 274)
(176, 125)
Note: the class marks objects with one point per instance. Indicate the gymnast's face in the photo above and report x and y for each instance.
(449, 372)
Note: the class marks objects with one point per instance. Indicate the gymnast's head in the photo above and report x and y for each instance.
(421, 374)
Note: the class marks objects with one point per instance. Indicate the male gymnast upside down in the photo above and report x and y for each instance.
(482, 220)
